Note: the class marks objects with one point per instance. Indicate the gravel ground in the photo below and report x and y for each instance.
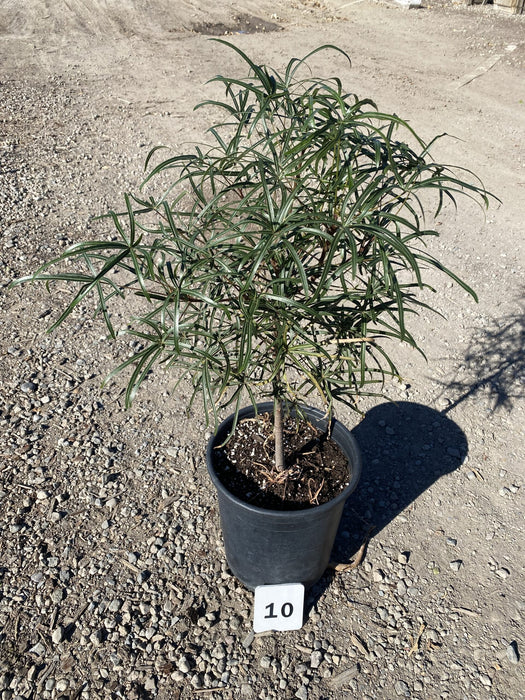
(113, 582)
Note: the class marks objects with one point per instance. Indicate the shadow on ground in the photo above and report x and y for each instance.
(406, 448)
(494, 365)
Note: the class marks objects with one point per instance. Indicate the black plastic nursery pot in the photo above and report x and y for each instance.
(274, 546)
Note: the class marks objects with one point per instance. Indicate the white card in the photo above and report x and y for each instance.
(278, 607)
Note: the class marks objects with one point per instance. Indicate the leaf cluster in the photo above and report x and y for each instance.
(279, 258)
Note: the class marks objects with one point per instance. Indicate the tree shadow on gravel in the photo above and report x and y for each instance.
(406, 447)
(494, 365)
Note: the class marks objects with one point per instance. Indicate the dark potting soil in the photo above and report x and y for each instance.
(316, 469)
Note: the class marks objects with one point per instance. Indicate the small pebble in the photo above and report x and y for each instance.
(383, 613)
(28, 387)
(150, 685)
(503, 573)
(265, 662)
(378, 576)
(456, 564)
(302, 692)
(58, 635)
(485, 680)
(513, 653)
(143, 576)
(39, 649)
(402, 689)
(247, 641)
(197, 681)
(184, 664)
(316, 659)
(96, 638)
(57, 595)
(115, 605)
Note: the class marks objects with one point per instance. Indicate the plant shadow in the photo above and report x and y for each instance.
(494, 365)
(406, 447)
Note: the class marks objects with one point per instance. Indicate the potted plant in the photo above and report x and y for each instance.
(277, 261)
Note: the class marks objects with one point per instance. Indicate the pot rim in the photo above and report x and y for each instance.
(319, 416)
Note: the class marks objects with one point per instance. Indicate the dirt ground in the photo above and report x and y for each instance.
(87, 87)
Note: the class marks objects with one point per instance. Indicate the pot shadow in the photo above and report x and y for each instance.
(406, 447)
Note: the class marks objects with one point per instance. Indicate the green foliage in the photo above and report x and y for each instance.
(279, 258)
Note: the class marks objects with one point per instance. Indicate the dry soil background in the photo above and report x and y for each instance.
(112, 580)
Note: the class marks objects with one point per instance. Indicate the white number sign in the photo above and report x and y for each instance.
(279, 607)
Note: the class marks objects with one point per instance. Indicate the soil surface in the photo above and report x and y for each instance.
(315, 468)
(112, 575)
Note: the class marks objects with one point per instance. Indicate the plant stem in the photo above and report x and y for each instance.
(278, 433)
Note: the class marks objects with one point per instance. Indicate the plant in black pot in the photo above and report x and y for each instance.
(277, 261)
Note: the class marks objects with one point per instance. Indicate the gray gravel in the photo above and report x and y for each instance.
(113, 582)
